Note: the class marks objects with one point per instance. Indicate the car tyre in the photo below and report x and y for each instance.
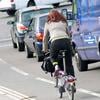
(39, 58)
(81, 64)
(29, 53)
(21, 46)
(11, 12)
(14, 44)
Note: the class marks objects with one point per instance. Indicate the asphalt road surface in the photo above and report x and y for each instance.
(22, 78)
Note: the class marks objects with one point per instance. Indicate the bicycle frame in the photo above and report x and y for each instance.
(66, 82)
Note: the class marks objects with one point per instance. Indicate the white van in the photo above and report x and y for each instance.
(10, 6)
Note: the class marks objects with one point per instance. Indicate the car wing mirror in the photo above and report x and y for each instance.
(28, 29)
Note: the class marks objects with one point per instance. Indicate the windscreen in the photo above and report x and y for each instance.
(42, 21)
(27, 16)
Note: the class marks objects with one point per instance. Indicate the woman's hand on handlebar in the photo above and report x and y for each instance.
(46, 52)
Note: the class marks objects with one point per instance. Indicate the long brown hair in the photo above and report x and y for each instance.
(55, 16)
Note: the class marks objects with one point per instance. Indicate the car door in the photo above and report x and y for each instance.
(29, 36)
(90, 45)
(14, 28)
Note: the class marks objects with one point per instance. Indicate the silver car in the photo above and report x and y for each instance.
(20, 23)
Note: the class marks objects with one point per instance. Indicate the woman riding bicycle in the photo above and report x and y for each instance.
(56, 28)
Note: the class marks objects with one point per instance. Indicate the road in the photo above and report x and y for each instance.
(22, 78)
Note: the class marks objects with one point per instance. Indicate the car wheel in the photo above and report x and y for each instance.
(73, 49)
(14, 44)
(39, 58)
(11, 12)
(21, 46)
(81, 64)
(31, 3)
(29, 53)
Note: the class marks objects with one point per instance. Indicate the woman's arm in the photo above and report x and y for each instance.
(45, 38)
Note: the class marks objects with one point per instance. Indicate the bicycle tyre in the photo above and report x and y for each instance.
(61, 91)
(56, 82)
(71, 92)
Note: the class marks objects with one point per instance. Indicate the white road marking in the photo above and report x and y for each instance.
(8, 45)
(3, 61)
(79, 90)
(19, 71)
(89, 92)
(14, 68)
(48, 81)
(4, 42)
(7, 39)
(13, 94)
(45, 80)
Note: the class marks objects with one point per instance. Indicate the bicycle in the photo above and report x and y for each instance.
(65, 82)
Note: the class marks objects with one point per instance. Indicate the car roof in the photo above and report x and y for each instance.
(40, 15)
(35, 8)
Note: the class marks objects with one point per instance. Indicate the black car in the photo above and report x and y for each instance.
(33, 38)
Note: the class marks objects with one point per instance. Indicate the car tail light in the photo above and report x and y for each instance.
(39, 36)
(21, 28)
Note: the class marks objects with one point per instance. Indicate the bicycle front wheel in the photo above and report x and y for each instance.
(71, 91)
(56, 82)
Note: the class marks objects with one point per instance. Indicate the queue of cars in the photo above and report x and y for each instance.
(11, 6)
(84, 24)
(27, 29)
(21, 22)
(33, 39)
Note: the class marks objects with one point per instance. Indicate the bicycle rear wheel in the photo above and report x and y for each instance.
(71, 91)
(56, 82)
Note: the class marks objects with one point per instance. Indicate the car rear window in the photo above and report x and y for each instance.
(27, 16)
(42, 21)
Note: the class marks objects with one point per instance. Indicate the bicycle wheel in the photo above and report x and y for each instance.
(56, 82)
(61, 91)
(71, 91)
